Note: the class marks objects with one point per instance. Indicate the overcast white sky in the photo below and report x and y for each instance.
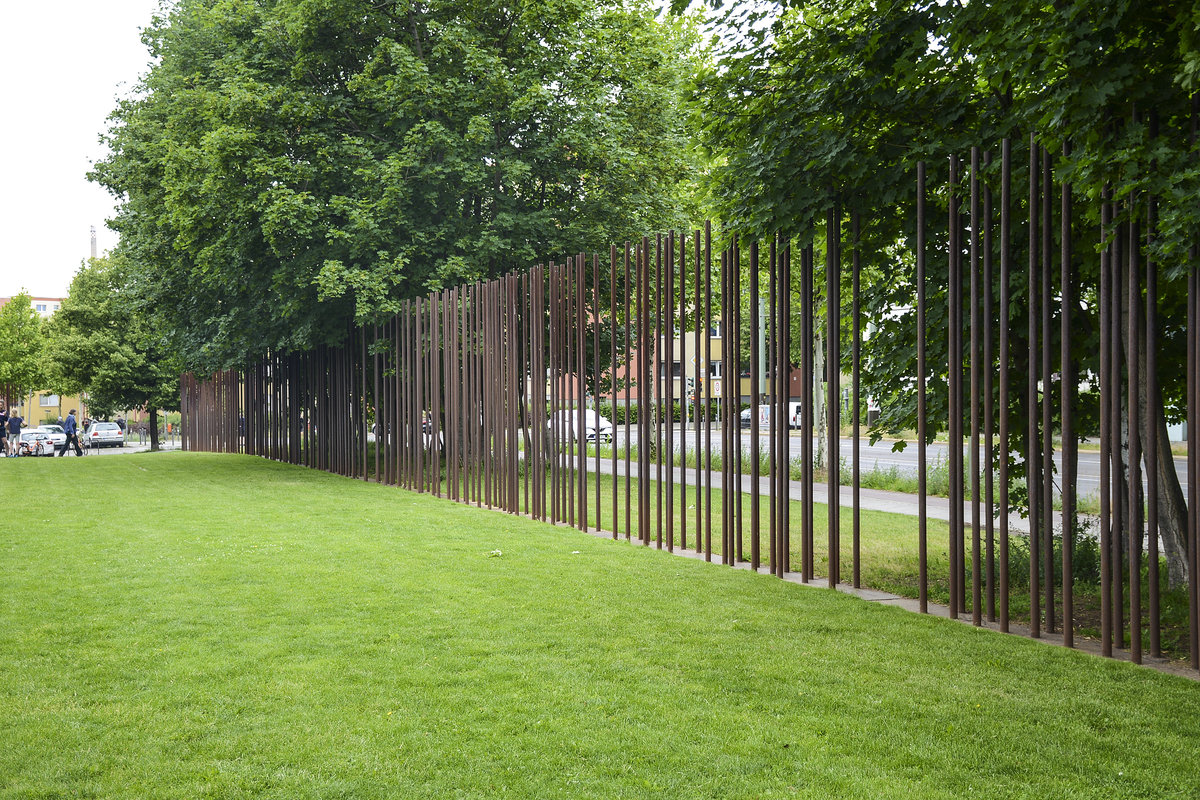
(64, 63)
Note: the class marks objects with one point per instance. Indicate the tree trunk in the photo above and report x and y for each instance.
(152, 423)
(1172, 510)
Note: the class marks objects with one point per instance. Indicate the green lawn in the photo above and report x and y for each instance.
(183, 625)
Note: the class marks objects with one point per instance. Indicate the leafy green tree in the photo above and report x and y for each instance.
(836, 102)
(102, 341)
(21, 344)
(292, 166)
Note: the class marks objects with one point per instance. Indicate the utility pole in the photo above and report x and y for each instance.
(93, 242)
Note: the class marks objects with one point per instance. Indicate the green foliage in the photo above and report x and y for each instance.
(21, 345)
(103, 342)
(835, 108)
(292, 166)
(616, 414)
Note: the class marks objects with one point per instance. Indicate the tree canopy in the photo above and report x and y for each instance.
(291, 166)
(100, 342)
(21, 344)
(835, 103)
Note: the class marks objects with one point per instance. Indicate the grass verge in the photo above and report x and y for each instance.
(224, 626)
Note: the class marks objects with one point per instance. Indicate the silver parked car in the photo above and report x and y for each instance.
(105, 434)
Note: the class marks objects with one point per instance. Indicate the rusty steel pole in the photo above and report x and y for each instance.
(922, 371)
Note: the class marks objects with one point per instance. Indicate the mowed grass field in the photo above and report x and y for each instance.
(191, 625)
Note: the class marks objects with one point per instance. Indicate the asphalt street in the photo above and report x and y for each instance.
(883, 456)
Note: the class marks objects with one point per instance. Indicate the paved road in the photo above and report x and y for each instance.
(881, 456)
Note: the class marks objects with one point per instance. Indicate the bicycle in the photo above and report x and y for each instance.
(85, 447)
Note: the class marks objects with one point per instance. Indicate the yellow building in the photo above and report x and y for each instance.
(39, 407)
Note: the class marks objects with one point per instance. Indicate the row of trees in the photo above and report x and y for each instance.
(288, 168)
(99, 342)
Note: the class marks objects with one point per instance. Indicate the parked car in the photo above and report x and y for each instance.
(105, 434)
(566, 424)
(764, 416)
(35, 442)
(57, 435)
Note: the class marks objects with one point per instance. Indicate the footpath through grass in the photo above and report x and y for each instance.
(222, 626)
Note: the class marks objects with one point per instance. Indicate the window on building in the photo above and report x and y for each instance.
(55, 308)
(48, 400)
(714, 369)
(675, 370)
(714, 330)
(41, 307)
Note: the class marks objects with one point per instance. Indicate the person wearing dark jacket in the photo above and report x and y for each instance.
(72, 431)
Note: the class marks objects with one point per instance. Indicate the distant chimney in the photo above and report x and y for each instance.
(93, 241)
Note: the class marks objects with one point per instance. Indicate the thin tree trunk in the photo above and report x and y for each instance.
(1172, 510)
(152, 423)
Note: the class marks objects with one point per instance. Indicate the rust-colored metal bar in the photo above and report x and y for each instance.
(756, 400)
(738, 459)
(973, 408)
(708, 384)
(435, 374)
(554, 440)
(594, 318)
(922, 372)
(1068, 386)
(1117, 537)
(777, 465)
(1193, 456)
(645, 359)
(785, 346)
(1153, 400)
(701, 381)
(806, 408)
(657, 349)
(580, 320)
(855, 396)
(772, 337)
(1002, 313)
(1106, 392)
(1047, 487)
(833, 390)
(777, 442)
(612, 361)
(726, 410)
(1134, 480)
(1032, 454)
(954, 379)
(630, 362)
(667, 379)
(989, 405)
(683, 393)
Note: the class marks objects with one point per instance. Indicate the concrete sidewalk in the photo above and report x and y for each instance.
(869, 499)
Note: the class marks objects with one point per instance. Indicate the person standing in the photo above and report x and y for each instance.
(72, 431)
(14, 433)
(4, 431)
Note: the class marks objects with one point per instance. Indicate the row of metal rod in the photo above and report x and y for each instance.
(479, 392)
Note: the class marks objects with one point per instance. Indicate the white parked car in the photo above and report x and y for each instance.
(105, 434)
(57, 435)
(35, 442)
(566, 424)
